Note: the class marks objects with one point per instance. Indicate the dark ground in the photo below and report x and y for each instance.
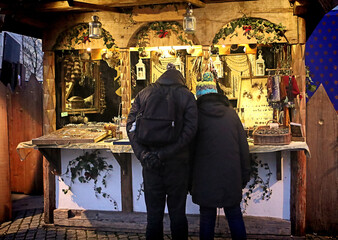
(28, 223)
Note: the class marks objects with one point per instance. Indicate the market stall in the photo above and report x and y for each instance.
(93, 178)
(89, 79)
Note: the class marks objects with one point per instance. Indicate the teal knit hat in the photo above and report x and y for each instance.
(207, 85)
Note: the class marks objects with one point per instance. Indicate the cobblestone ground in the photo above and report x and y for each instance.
(28, 224)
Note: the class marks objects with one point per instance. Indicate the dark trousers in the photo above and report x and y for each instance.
(235, 222)
(169, 183)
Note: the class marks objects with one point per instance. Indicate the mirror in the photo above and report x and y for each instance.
(80, 79)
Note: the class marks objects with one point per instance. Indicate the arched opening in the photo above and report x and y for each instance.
(87, 76)
(155, 45)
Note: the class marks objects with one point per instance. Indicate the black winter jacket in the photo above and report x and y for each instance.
(179, 150)
(221, 165)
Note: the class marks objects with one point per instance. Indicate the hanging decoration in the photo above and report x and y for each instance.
(179, 65)
(189, 21)
(262, 30)
(140, 70)
(80, 34)
(95, 28)
(260, 65)
(219, 67)
(162, 30)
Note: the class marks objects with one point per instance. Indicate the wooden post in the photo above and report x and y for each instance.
(298, 159)
(5, 185)
(49, 125)
(126, 184)
(125, 83)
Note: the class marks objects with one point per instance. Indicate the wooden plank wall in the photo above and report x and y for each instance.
(322, 171)
(5, 191)
(24, 123)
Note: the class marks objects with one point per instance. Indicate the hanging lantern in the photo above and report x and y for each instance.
(218, 64)
(260, 65)
(140, 70)
(178, 64)
(189, 21)
(95, 28)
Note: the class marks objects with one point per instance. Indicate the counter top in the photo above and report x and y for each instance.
(24, 148)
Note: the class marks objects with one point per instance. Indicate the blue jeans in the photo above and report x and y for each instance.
(235, 222)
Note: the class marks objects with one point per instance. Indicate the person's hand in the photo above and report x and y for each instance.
(151, 160)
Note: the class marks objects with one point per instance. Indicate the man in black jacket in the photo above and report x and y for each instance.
(166, 167)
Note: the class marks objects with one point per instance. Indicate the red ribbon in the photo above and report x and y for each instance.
(246, 29)
(85, 39)
(162, 33)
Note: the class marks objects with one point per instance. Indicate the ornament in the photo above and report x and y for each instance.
(140, 70)
(260, 65)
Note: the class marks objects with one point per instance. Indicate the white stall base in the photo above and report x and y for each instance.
(277, 206)
(82, 195)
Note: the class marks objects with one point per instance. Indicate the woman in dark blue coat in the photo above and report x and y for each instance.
(221, 165)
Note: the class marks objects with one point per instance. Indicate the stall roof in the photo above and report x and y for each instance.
(31, 17)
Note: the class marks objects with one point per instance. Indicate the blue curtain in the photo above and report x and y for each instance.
(321, 55)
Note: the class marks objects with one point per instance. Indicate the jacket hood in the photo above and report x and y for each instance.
(213, 104)
(171, 77)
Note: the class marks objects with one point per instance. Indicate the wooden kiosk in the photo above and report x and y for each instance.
(212, 19)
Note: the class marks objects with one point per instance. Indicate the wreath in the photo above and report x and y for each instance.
(80, 34)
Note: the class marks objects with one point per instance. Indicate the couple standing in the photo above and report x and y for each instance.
(211, 150)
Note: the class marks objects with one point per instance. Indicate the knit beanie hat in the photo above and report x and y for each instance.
(207, 85)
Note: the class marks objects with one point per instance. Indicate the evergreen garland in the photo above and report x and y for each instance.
(253, 28)
(162, 30)
(80, 34)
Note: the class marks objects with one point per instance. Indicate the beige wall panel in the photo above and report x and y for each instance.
(209, 21)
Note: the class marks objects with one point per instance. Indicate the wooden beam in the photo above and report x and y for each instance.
(48, 191)
(298, 193)
(30, 21)
(59, 6)
(107, 5)
(168, 13)
(300, 10)
(132, 3)
(84, 5)
(70, 3)
(222, 1)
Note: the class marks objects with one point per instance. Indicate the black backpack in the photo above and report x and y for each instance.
(159, 121)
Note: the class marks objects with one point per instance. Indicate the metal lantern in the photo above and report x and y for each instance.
(95, 28)
(140, 70)
(218, 66)
(178, 64)
(260, 65)
(189, 21)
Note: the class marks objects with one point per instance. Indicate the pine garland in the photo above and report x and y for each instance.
(162, 29)
(253, 28)
(80, 34)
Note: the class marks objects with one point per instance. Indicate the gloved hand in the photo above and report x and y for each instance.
(151, 160)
